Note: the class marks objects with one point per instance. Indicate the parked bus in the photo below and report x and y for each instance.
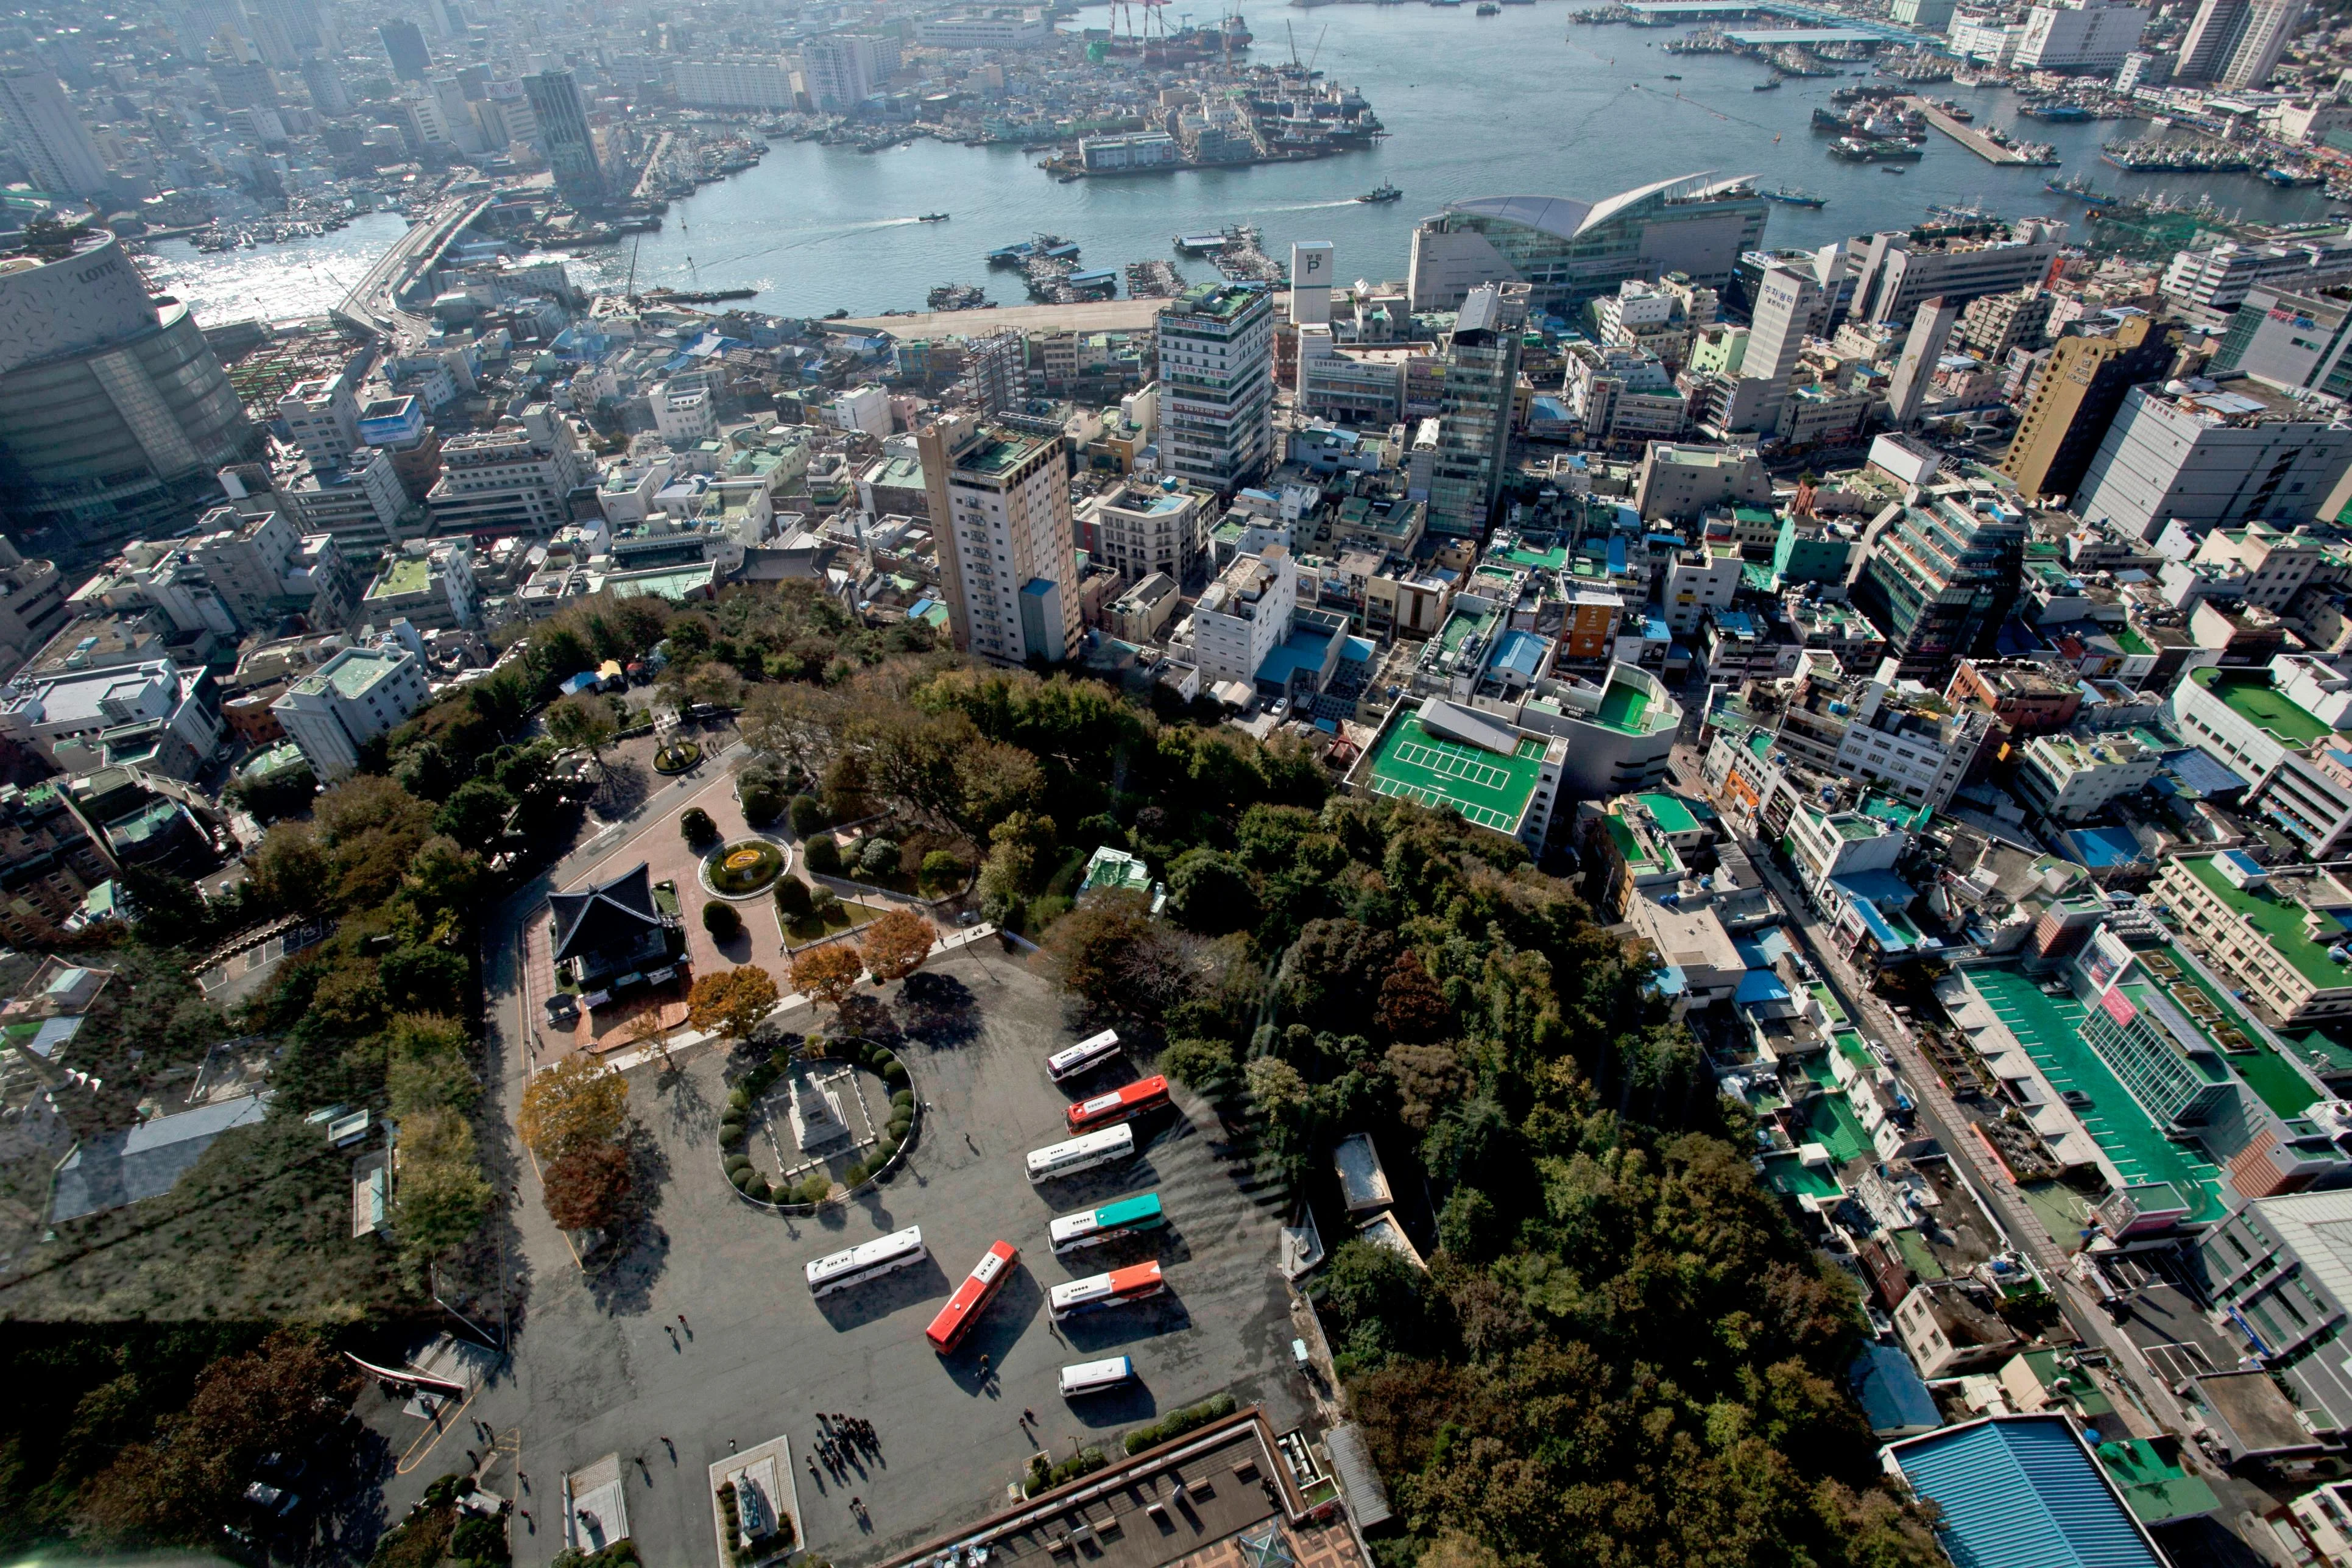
(1115, 1289)
(1076, 1232)
(1081, 1154)
(1084, 1057)
(867, 1260)
(1119, 1105)
(987, 1277)
(1094, 1376)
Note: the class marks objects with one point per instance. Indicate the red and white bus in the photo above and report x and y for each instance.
(1119, 1105)
(987, 1277)
(1084, 1057)
(1115, 1289)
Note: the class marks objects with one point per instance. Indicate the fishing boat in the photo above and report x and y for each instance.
(1672, 77)
(1893, 169)
(2079, 188)
(933, 217)
(1766, 86)
(1383, 192)
(1489, 8)
(2068, 113)
(1204, 243)
(1789, 195)
(2283, 174)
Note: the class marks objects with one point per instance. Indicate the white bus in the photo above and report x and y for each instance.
(1094, 1376)
(1139, 1282)
(867, 1260)
(1083, 1056)
(1084, 1153)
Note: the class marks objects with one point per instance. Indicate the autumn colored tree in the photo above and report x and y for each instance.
(586, 1189)
(732, 1002)
(896, 944)
(581, 720)
(1410, 1006)
(828, 974)
(575, 1104)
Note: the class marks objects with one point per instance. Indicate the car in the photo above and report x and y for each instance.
(275, 1502)
(2075, 1097)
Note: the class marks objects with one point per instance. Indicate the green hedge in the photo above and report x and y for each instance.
(741, 1178)
(903, 1101)
(739, 1099)
(1176, 1423)
(1045, 1479)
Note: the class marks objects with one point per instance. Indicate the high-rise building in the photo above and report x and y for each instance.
(2083, 37)
(1312, 271)
(114, 411)
(2213, 452)
(1571, 252)
(844, 69)
(1473, 429)
(996, 374)
(50, 136)
(1216, 385)
(1931, 328)
(2075, 398)
(1789, 306)
(243, 84)
(326, 85)
(1899, 274)
(2237, 43)
(999, 494)
(564, 138)
(2295, 339)
(404, 44)
(1938, 579)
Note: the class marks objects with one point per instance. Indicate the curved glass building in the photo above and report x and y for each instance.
(115, 412)
(1571, 251)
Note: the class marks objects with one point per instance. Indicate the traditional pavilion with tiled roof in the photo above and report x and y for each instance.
(610, 927)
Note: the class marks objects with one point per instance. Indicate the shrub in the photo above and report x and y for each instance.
(894, 1071)
(941, 868)
(739, 1098)
(695, 825)
(808, 815)
(757, 1189)
(886, 1151)
(729, 1134)
(855, 1175)
(816, 1188)
(721, 921)
(903, 1101)
(823, 900)
(761, 804)
(899, 1127)
(880, 858)
(742, 1176)
(792, 901)
(824, 855)
(1176, 1423)
(1042, 1479)
(478, 1541)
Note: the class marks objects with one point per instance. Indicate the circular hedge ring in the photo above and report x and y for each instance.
(677, 758)
(745, 868)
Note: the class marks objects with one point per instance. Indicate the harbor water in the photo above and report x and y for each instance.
(1522, 103)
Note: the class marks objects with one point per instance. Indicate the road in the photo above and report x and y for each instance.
(1968, 136)
(374, 304)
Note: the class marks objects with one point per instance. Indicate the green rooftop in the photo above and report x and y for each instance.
(1481, 786)
(2048, 1029)
(2158, 1492)
(998, 451)
(1622, 707)
(2274, 1079)
(2279, 920)
(407, 574)
(2131, 642)
(1520, 555)
(1670, 813)
(2258, 703)
(1790, 1174)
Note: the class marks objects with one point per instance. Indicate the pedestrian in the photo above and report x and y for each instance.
(1027, 1413)
(983, 1366)
(472, 1458)
(681, 1323)
(526, 1518)
(731, 1444)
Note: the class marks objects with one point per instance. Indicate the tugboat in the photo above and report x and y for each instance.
(934, 218)
(1672, 77)
(1766, 86)
(1789, 195)
(1488, 8)
(1383, 192)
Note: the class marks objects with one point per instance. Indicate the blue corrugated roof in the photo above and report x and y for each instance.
(1760, 986)
(2201, 773)
(1888, 1386)
(2020, 1492)
(2099, 847)
(1521, 653)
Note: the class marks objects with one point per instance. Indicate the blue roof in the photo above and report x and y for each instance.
(128, 1165)
(1616, 556)
(1887, 1387)
(1521, 653)
(1765, 949)
(2246, 864)
(2100, 847)
(2201, 773)
(1301, 648)
(2019, 1491)
(1357, 651)
(1671, 981)
(1760, 986)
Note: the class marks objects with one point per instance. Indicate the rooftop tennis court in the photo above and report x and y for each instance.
(1484, 787)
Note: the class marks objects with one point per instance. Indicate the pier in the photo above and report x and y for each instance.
(1975, 141)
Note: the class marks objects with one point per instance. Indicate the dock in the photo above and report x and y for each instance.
(1975, 141)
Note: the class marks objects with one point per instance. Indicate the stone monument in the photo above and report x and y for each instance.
(816, 1113)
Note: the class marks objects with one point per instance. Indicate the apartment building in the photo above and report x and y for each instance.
(2208, 285)
(1881, 732)
(1244, 616)
(2213, 453)
(322, 419)
(508, 481)
(1000, 507)
(1139, 528)
(2272, 931)
(1940, 578)
(2075, 400)
(1216, 383)
(2072, 778)
(362, 502)
(354, 697)
(1897, 274)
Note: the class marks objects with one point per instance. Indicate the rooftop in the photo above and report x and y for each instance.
(405, 574)
(2252, 697)
(2023, 1492)
(1482, 786)
(999, 450)
(1217, 301)
(2279, 918)
(352, 673)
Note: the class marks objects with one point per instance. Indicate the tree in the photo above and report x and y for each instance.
(721, 920)
(423, 980)
(880, 858)
(896, 945)
(585, 1189)
(1410, 1006)
(476, 814)
(824, 856)
(829, 974)
(572, 1105)
(792, 899)
(941, 868)
(695, 825)
(734, 1001)
(582, 719)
